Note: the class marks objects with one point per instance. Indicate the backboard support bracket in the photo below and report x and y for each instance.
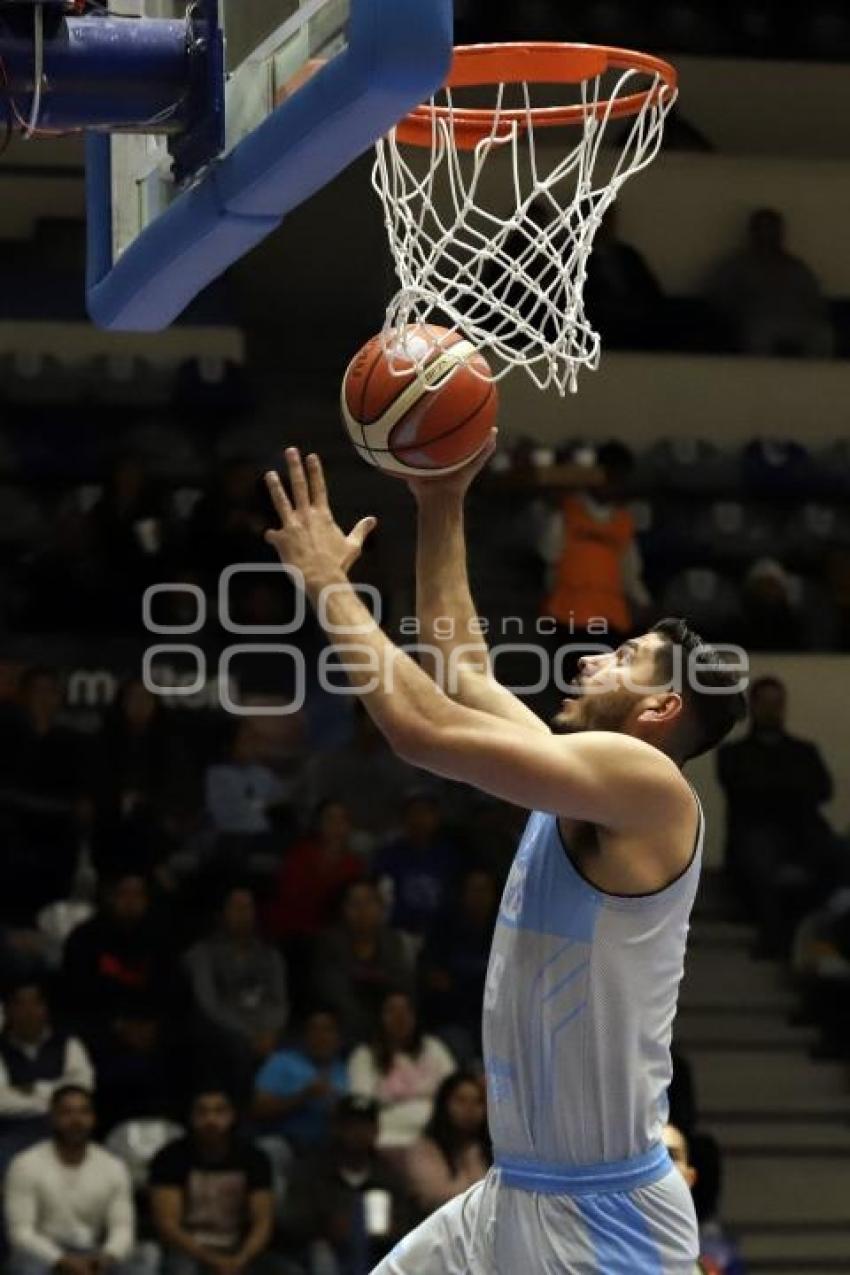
(399, 52)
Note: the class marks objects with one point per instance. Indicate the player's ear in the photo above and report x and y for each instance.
(657, 710)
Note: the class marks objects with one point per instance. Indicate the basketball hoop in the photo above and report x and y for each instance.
(490, 226)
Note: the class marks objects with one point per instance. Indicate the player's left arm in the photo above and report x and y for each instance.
(612, 780)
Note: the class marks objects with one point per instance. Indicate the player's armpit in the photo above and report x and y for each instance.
(601, 777)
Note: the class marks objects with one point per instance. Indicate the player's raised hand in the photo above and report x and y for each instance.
(459, 481)
(309, 538)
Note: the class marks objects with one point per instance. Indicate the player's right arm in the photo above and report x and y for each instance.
(448, 620)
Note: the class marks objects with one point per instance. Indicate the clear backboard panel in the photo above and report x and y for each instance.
(300, 89)
(271, 47)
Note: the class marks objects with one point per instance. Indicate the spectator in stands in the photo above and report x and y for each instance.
(402, 1068)
(69, 1205)
(780, 849)
(313, 872)
(23, 954)
(719, 1254)
(211, 1195)
(453, 963)
(240, 987)
(770, 620)
(123, 988)
(128, 535)
(492, 830)
(821, 966)
(42, 796)
(597, 574)
(770, 299)
(296, 1088)
(327, 1220)
(622, 297)
(138, 765)
(454, 1151)
(416, 870)
(359, 960)
(356, 774)
(227, 524)
(35, 1061)
(704, 1148)
(243, 792)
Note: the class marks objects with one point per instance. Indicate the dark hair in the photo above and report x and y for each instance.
(323, 806)
(34, 984)
(235, 886)
(763, 683)
(349, 887)
(112, 878)
(211, 1088)
(440, 1129)
(306, 1016)
(67, 1091)
(711, 716)
(115, 723)
(382, 1051)
(615, 459)
(765, 214)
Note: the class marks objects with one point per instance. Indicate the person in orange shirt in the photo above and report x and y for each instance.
(597, 591)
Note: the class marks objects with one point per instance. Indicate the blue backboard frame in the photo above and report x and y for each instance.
(399, 52)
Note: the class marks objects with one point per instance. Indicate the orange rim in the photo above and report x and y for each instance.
(476, 65)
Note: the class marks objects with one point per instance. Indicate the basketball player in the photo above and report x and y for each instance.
(588, 953)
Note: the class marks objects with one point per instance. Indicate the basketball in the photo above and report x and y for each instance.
(426, 409)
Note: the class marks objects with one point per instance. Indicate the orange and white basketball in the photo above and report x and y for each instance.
(426, 409)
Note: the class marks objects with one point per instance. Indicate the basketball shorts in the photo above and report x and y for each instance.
(631, 1218)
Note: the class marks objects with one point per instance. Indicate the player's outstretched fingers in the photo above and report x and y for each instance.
(362, 531)
(280, 500)
(297, 481)
(316, 479)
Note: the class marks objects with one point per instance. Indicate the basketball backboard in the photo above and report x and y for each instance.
(302, 88)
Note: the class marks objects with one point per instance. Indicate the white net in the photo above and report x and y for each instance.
(512, 278)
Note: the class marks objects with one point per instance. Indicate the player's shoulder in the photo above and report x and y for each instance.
(628, 755)
(635, 774)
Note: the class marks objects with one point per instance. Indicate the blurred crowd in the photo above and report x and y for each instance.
(242, 986)
(745, 28)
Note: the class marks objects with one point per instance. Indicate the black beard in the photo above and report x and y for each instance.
(607, 711)
(561, 725)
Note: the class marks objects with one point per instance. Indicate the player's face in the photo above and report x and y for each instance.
(609, 688)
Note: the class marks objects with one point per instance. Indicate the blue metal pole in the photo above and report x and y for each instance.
(103, 73)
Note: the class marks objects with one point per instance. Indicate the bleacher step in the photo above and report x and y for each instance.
(698, 1027)
(730, 979)
(761, 1082)
(780, 1248)
(791, 1138)
(758, 1189)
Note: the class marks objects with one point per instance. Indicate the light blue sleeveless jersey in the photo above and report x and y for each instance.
(579, 1004)
(578, 1011)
